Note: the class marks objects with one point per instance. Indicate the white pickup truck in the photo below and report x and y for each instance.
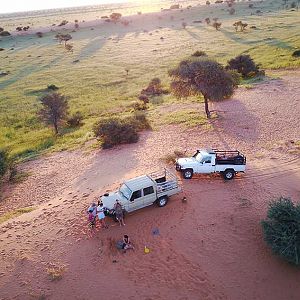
(143, 191)
(228, 163)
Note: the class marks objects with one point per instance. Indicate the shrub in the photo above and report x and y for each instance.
(282, 229)
(144, 98)
(4, 33)
(55, 273)
(243, 64)
(1, 29)
(115, 131)
(231, 11)
(199, 53)
(62, 23)
(236, 76)
(39, 34)
(139, 105)
(75, 120)
(4, 162)
(296, 53)
(154, 88)
(171, 158)
(139, 121)
(207, 3)
(115, 17)
(293, 5)
(207, 20)
(217, 25)
(184, 24)
(52, 87)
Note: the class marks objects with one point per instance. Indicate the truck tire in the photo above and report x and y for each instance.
(162, 201)
(187, 174)
(228, 174)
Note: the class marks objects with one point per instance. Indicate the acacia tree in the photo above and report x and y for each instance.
(54, 110)
(202, 77)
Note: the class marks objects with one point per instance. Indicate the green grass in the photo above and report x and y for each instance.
(15, 213)
(97, 85)
(187, 117)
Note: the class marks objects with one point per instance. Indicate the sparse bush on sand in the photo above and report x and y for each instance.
(139, 121)
(199, 53)
(1, 29)
(184, 24)
(55, 273)
(69, 47)
(171, 158)
(54, 110)
(203, 77)
(245, 65)
(207, 20)
(75, 120)
(281, 229)
(39, 34)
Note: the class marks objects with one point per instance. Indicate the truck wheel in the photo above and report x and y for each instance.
(162, 201)
(228, 174)
(187, 174)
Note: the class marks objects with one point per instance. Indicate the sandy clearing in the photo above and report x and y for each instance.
(208, 248)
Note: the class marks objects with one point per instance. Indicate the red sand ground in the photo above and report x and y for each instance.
(208, 248)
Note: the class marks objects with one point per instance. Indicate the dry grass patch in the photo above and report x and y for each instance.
(15, 213)
(55, 272)
(171, 157)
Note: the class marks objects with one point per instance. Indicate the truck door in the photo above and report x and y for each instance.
(205, 166)
(149, 195)
(136, 200)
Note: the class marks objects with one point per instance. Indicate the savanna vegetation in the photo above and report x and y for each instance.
(281, 229)
(91, 75)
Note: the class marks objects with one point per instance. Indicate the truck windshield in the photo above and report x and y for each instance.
(198, 157)
(125, 191)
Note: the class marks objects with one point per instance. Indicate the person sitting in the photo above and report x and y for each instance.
(126, 243)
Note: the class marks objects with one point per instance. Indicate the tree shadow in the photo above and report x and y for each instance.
(234, 123)
(237, 38)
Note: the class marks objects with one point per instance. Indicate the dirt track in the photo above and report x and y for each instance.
(208, 248)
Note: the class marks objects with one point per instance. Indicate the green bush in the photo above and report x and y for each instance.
(52, 87)
(138, 105)
(115, 131)
(4, 162)
(244, 65)
(75, 120)
(282, 229)
(139, 121)
(199, 53)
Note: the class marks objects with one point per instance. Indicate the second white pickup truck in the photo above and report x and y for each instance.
(228, 163)
(142, 191)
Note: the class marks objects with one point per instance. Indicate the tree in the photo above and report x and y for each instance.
(202, 77)
(63, 37)
(55, 109)
(282, 229)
